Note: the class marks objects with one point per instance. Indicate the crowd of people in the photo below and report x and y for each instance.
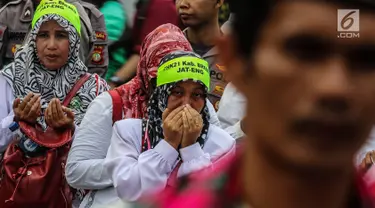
(162, 103)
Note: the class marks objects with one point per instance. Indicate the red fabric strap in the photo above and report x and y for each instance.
(172, 179)
(116, 105)
(75, 89)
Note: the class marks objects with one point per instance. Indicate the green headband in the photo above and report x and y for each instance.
(182, 68)
(61, 8)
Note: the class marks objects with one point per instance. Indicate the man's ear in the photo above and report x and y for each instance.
(235, 65)
(219, 3)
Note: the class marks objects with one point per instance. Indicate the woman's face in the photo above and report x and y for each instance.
(187, 92)
(52, 44)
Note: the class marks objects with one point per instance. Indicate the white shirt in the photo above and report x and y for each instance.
(6, 113)
(92, 138)
(135, 173)
(227, 26)
(231, 111)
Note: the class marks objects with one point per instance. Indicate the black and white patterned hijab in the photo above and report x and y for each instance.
(26, 74)
(152, 130)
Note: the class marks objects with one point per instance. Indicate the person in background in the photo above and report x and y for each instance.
(84, 167)
(176, 138)
(130, 7)
(201, 17)
(309, 110)
(157, 12)
(232, 111)
(45, 69)
(233, 103)
(116, 22)
(15, 23)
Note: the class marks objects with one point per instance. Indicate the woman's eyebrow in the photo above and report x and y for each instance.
(61, 31)
(177, 87)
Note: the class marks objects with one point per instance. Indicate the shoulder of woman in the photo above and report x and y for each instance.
(7, 70)
(90, 90)
(101, 104)
(219, 136)
(129, 123)
(99, 80)
(95, 82)
(129, 128)
(2, 78)
(4, 85)
(216, 130)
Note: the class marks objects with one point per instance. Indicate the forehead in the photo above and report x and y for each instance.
(189, 84)
(51, 25)
(315, 18)
(197, 1)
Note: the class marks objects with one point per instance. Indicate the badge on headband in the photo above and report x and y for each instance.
(183, 68)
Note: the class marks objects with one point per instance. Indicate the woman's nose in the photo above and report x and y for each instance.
(186, 100)
(51, 44)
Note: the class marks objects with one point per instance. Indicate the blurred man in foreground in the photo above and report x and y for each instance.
(311, 107)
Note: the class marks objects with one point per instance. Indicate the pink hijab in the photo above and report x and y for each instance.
(160, 42)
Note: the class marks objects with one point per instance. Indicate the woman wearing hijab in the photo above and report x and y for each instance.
(84, 167)
(44, 71)
(175, 139)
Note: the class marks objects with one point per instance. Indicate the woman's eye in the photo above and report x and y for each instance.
(176, 93)
(42, 35)
(61, 36)
(198, 95)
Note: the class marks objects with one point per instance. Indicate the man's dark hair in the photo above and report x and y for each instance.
(251, 15)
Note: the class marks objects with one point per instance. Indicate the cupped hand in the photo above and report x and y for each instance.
(59, 117)
(27, 110)
(192, 126)
(172, 126)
